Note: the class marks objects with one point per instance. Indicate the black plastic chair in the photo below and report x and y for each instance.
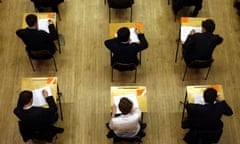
(125, 67)
(36, 135)
(45, 5)
(195, 136)
(120, 4)
(40, 55)
(199, 64)
(177, 5)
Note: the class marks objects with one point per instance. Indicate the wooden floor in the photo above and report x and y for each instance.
(84, 69)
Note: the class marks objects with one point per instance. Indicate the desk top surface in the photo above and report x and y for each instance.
(113, 27)
(41, 15)
(31, 83)
(192, 21)
(140, 92)
(199, 89)
(189, 23)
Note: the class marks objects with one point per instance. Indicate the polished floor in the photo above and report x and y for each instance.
(84, 71)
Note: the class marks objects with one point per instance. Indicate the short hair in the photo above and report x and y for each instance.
(123, 34)
(24, 98)
(209, 25)
(31, 19)
(210, 95)
(125, 105)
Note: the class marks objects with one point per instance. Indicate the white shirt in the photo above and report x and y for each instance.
(126, 125)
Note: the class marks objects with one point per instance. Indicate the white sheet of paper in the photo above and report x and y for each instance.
(131, 97)
(133, 36)
(38, 98)
(198, 99)
(185, 30)
(43, 24)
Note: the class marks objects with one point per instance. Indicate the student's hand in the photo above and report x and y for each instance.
(137, 31)
(45, 93)
(50, 21)
(192, 32)
(218, 99)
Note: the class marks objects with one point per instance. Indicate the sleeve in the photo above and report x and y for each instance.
(187, 45)
(143, 42)
(52, 105)
(52, 32)
(191, 108)
(109, 44)
(226, 109)
(17, 112)
(218, 39)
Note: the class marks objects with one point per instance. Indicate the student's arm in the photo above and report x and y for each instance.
(110, 43)
(52, 31)
(225, 107)
(218, 39)
(52, 105)
(143, 42)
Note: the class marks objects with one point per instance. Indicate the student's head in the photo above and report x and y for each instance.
(24, 98)
(123, 34)
(208, 25)
(210, 95)
(125, 105)
(31, 20)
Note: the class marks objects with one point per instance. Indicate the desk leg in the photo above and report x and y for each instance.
(178, 41)
(184, 106)
(59, 102)
(59, 44)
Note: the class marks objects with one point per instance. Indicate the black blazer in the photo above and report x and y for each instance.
(207, 116)
(38, 118)
(38, 39)
(126, 52)
(200, 46)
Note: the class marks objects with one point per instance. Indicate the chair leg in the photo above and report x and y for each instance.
(135, 76)
(185, 73)
(112, 74)
(131, 14)
(54, 63)
(109, 15)
(209, 68)
(31, 64)
(58, 12)
(140, 57)
(168, 2)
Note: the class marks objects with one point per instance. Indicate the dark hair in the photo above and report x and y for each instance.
(125, 105)
(210, 95)
(24, 98)
(31, 19)
(123, 34)
(209, 25)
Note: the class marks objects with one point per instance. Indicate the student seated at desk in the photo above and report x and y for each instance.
(36, 122)
(200, 46)
(35, 39)
(206, 117)
(123, 50)
(127, 123)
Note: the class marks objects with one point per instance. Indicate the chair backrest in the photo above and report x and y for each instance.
(124, 67)
(210, 136)
(120, 4)
(132, 139)
(203, 136)
(200, 63)
(39, 54)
